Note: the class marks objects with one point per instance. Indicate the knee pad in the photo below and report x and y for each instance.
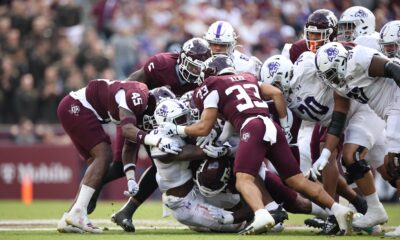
(393, 167)
(357, 169)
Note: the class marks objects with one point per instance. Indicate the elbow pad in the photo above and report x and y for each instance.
(337, 123)
(392, 70)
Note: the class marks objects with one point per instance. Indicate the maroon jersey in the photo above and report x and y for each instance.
(162, 70)
(239, 97)
(297, 49)
(101, 93)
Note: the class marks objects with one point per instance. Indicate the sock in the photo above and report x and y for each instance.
(335, 207)
(360, 204)
(271, 206)
(85, 194)
(318, 211)
(372, 200)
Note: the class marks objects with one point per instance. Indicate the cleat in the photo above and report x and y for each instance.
(315, 222)
(395, 233)
(122, 220)
(262, 222)
(344, 218)
(279, 215)
(375, 215)
(331, 227)
(277, 228)
(77, 217)
(63, 227)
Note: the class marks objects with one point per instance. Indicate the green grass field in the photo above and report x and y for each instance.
(38, 221)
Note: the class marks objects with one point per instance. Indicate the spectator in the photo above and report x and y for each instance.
(26, 99)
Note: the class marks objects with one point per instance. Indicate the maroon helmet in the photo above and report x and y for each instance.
(218, 64)
(212, 176)
(321, 22)
(194, 52)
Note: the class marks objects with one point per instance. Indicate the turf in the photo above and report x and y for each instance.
(150, 211)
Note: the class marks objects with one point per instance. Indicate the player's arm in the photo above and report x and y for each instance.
(383, 67)
(138, 76)
(204, 125)
(270, 92)
(189, 153)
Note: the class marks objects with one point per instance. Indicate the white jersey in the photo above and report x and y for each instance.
(310, 98)
(244, 63)
(173, 174)
(371, 41)
(379, 92)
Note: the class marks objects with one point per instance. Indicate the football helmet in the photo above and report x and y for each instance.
(212, 176)
(194, 52)
(331, 63)
(389, 39)
(355, 21)
(172, 110)
(187, 99)
(322, 23)
(218, 64)
(222, 33)
(156, 96)
(278, 71)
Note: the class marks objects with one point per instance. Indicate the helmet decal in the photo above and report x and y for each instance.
(273, 68)
(361, 13)
(218, 33)
(332, 53)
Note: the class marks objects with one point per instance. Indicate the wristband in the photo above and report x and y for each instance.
(325, 153)
(140, 136)
(181, 130)
(129, 166)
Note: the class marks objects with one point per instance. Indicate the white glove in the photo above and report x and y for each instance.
(214, 151)
(133, 188)
(321, 162)
(286, 125)
(202, 141)
(220, 215)
(170, 129)
(169, 146)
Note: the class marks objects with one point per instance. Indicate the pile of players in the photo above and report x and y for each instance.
(210, 117)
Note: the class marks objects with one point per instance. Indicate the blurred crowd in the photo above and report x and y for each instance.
(51, 47)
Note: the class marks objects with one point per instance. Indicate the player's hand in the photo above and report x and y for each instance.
(215, 152)
(133, 188)
(168, 129)
(220, 215)
(167, 145)
(202, 141)
(320, 164)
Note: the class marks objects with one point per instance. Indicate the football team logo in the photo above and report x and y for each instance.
(245, 136)
(360, 13)
(332, 53)
(162, 111)
(74, 110)
(273, 68)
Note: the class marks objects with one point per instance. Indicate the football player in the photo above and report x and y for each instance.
(389, 40)
(357, 24)
(237, 97)
(82, 114)
(222, 39)
(312, 100)
(365, 75)
(179, 72)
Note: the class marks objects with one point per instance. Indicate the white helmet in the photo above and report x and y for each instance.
(355, 21)
(389, 38)
(187, 99)
(172, 110)
(222, 32)
(331, 62)
(278, 71)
